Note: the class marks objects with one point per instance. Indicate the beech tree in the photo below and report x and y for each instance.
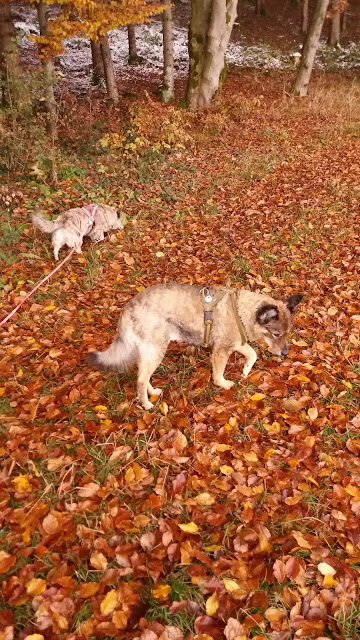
(210, 29)
(133, 54)
(97, 62)
(336, 11)
(167, 89)
(9, 55)
(311, 44)
(305, 16)
(260, 7)
(48, 68)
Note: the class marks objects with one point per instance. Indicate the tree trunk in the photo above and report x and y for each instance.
(311, 44)
(210, 29)
(167, 89)
(133, 54)
(110, 79)
(334, 31)
(343, 20)
(259, 7)
(9, 53)
(97, 62)
(305, 17)
(48, 68)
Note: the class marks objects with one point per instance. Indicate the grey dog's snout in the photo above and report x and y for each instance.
(285, 350)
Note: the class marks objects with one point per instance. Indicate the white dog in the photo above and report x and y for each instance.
(70, 227)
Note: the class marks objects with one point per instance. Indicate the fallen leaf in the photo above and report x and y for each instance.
(109, 603)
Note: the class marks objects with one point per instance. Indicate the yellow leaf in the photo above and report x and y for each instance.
(189, 527)
(141, 520)
(120, 619)
(270, 452)
(230, 585)
(100, 408)
(258, 489)
(50, 307)
(303, 378)
(223, 447)
(347, 384)
(274, 615)
(129, 475)
(161, 592)
(226, 470)
(81, 259)
(301, 540)
(329, 582)
(232, 421)
(204, 499)
(212, 605)
(55, 353)
(98, 561)
(2, 391)
(313, 413)
(109, 603)
(257, 397)
(164, 409)
(213, 547)
(313, 481)
(251, 457)
(140, 289)
(34, 468)
(36, 586)
(35, 636)
(22, 484)
(273, 428)
(326, 569)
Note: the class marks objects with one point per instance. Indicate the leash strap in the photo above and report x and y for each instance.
(210, 302)
(10, 315)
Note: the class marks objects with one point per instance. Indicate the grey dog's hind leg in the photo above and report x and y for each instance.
(150, 356)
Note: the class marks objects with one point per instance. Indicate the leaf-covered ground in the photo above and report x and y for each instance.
(220, 513)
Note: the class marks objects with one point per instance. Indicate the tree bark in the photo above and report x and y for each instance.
(259, 7)
(133, 54)
(311, 44)
(9, 52)
(167, 89)
(97, 62)
(48, 68)
(343, 19)
(305, 17)
(334, 31)
(210, 29)
(110, 79)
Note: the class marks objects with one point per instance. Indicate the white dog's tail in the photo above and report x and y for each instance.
(119, 356)
(47, 226)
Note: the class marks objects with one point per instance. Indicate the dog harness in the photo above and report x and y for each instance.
(210, 301)
(91, 211)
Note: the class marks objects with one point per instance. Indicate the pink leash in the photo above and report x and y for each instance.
(10, 315)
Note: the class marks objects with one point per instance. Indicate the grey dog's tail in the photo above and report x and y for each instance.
(47, 226)
(119, 356)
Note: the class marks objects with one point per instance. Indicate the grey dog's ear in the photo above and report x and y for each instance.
(293, 301)
(266, 313)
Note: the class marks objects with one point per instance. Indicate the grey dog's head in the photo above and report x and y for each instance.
(275, 323)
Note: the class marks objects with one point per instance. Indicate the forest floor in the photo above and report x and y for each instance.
(219, 513)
